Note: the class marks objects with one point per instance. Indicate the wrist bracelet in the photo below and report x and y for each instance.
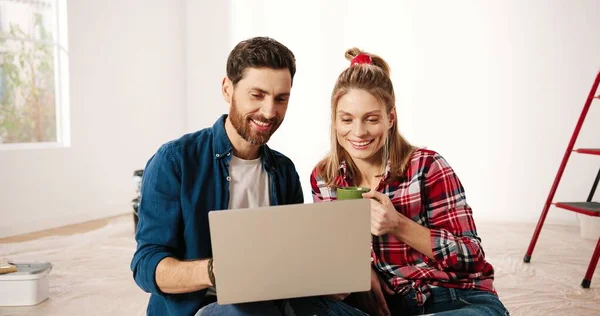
(211, 275)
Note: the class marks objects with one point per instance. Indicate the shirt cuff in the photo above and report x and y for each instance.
(150, 277)
(444, 247)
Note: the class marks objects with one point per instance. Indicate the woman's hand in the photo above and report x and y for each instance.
(384, 217)
(386, 220)
(337, 297)
(373, 302)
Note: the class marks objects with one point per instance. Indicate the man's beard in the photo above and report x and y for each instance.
(242, 123)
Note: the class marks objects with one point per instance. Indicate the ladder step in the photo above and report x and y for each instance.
(587, 208)
(589, 151)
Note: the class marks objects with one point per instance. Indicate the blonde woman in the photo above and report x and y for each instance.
(427, 257)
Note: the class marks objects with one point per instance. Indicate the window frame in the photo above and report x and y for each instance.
(61, 81)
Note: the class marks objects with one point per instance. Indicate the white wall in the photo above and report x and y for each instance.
(495, 87)
(207, 44)
(127, 98)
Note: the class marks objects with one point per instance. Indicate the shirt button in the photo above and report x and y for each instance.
(228, 154)
(217, 155)
(228, 178)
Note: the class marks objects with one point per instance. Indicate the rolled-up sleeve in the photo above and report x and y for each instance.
(159, 218)
(454, 239)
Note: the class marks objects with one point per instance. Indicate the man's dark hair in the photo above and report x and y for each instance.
(259, 52)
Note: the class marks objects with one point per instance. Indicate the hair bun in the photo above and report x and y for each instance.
(376, 60)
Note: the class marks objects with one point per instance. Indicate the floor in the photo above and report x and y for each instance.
(91, 273)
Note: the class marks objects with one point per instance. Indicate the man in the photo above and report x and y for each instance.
(227, 166)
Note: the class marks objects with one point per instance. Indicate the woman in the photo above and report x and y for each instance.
(427, 257)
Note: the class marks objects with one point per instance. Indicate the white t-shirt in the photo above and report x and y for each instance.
(248, 184)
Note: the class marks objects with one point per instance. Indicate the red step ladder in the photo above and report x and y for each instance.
(588, 207)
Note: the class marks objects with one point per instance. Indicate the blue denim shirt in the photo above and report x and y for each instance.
(182, 182)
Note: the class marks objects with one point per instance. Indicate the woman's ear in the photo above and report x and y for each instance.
(392, 117)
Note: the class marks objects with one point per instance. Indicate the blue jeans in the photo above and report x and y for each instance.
(308, 306)
(445, 302)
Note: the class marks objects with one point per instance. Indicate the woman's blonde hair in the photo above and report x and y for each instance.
(373, 78)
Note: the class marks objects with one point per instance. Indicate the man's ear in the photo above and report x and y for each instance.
(227, 90)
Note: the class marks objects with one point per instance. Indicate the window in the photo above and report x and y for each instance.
(33, 73)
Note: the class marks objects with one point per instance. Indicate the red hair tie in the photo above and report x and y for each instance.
(361, 59)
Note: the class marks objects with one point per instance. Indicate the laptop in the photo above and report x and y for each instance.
(290, 251)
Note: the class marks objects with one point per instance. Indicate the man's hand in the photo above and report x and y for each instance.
(384, 217)
(373, 301)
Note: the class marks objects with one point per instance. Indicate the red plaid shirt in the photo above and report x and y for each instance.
(430, 194)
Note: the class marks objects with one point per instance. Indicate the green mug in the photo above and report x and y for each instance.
(351, 193)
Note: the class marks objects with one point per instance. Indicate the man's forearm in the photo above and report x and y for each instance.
(175, 277)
